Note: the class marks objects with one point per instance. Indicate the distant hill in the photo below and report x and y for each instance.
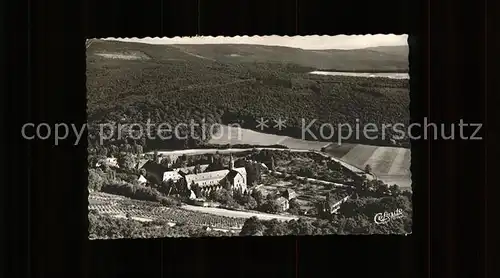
(340, 60)
(399, 50)
(384, 59)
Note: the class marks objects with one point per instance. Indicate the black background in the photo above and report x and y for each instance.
(44, 187)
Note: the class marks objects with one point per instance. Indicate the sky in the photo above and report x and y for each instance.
(304, 42)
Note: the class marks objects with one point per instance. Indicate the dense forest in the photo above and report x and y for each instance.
(170, 86)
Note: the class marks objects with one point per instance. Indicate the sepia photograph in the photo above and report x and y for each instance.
(248, 136)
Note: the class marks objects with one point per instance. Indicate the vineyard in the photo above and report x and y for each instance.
(119, 207)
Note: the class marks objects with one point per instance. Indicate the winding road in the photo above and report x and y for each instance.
(238, 214)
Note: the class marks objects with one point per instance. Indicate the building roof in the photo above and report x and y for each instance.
(237, 171)
(171, 175)
(141, 163)
(153, 166)
(154, 171)
(215, 175)
(208, 176)
(336, 197)
(190, 169)
(142, 179)
(281, 200)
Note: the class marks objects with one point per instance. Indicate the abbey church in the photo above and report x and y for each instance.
(236, 178)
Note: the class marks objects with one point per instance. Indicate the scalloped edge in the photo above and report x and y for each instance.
(299, 41)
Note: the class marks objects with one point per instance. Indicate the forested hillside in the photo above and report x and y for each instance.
(380, 59)
(177, 84)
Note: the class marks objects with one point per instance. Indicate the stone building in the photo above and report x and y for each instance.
(235, 178)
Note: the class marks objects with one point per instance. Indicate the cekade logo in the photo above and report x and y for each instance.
(382, 218)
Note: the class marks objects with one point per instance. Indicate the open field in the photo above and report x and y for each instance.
(339, 150)
(389, 164)
(294, 143)
(126, 55)
(235, 135)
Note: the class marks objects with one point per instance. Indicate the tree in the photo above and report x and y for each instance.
(238, 196)
(245, 200)
(250, 203)
(166, 187)
(301, 227)
(113, 150)
(382, 189)
(127, 148)
(196, 189)
(167, 160)
(93, 160)
(275, 228)
(362, 188)
(111, 173)
(180, 189)
(306, 172)
(103, 151)
(273, 166)
(252, 226)
(272, 206)
(231, 203)
(197, 169)
(138, 149)
(184, 158)
(95, 180)
(258, 196)
(253, 173)
(271, 196)
(126, 161)
(226, 184)
(395, 190)
(222, 196)
(294, 206)
(368, 169)
(333, 165)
